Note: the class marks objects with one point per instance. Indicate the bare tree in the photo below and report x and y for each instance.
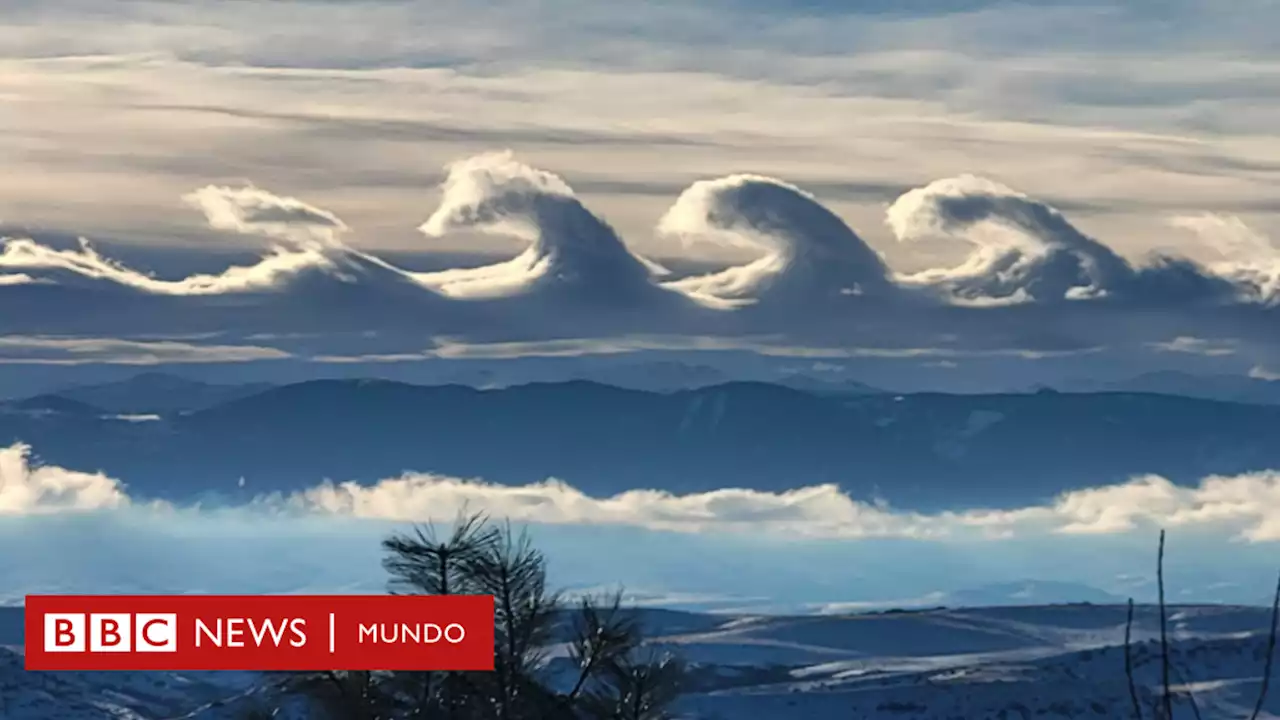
(613, 677)
(1166, 705)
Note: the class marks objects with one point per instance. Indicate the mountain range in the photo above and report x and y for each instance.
(922, 451)
(1234, 388)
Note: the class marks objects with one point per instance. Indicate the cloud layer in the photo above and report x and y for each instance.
(84, 532)
(1247, 506)
(1032, 280)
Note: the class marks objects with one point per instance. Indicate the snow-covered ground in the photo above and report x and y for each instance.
(1003, 663)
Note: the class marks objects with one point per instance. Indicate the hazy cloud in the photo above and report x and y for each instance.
(48, 350)
(1198, 346)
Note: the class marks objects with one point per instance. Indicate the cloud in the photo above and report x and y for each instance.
(1025, 251)
(570, 247)
(809, 252)
(1198, 346)
(767, 346)
(48, 350)
(34, 489)
(1247, 505)
(310, 236)
(1033, 284)
(1248, 257)
(252, 211)
(84, 532)
(17, 279)
(308, 241)
(1261, 373)
(86, 266)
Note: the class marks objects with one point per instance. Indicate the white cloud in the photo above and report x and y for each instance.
(1198, 346)
(27, 489)
(46, 350)
(1246, 255)
(568, 244)
(16, 279)
(1247, 506)
(1261, 373)
(86, 264)
(808, 251)
(253, 211)
(768, 346)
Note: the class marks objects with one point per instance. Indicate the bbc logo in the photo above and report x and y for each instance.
(110, 632)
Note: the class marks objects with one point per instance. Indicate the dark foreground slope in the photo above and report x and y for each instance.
(922, 450)
(1046, 661)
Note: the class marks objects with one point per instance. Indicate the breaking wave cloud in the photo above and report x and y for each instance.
(809, 252)
(1023, 250)
(1026, 251)
(815, 282)
(325, 538)
(568, 244)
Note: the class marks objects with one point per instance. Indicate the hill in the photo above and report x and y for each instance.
(924, 451)
(157, 392)
(1038, 661)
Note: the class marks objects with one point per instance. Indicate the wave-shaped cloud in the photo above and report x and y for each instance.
(1249, 259)
(306, 240)
(1027, 251)
(810, 253)
(568, 244)
(309, 238)
(78, 267)
(1248, 505)
(824, 283)
(253, 211)
(313, 235)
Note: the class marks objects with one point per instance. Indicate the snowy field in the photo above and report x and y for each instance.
(1063, 661)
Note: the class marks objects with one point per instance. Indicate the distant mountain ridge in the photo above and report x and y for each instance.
(157, 392)
(1231, 388)
(925, 451)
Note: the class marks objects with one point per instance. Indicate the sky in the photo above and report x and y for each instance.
(958, 178)
(956, 187)
(1123, 114)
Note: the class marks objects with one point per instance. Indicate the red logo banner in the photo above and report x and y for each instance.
(259, 632)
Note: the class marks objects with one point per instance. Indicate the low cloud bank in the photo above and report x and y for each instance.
(29, 488)
(1245, 506)
(732, 549)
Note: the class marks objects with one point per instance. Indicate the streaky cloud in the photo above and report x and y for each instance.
(84, 266)
(810, 253)
(252, 211)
